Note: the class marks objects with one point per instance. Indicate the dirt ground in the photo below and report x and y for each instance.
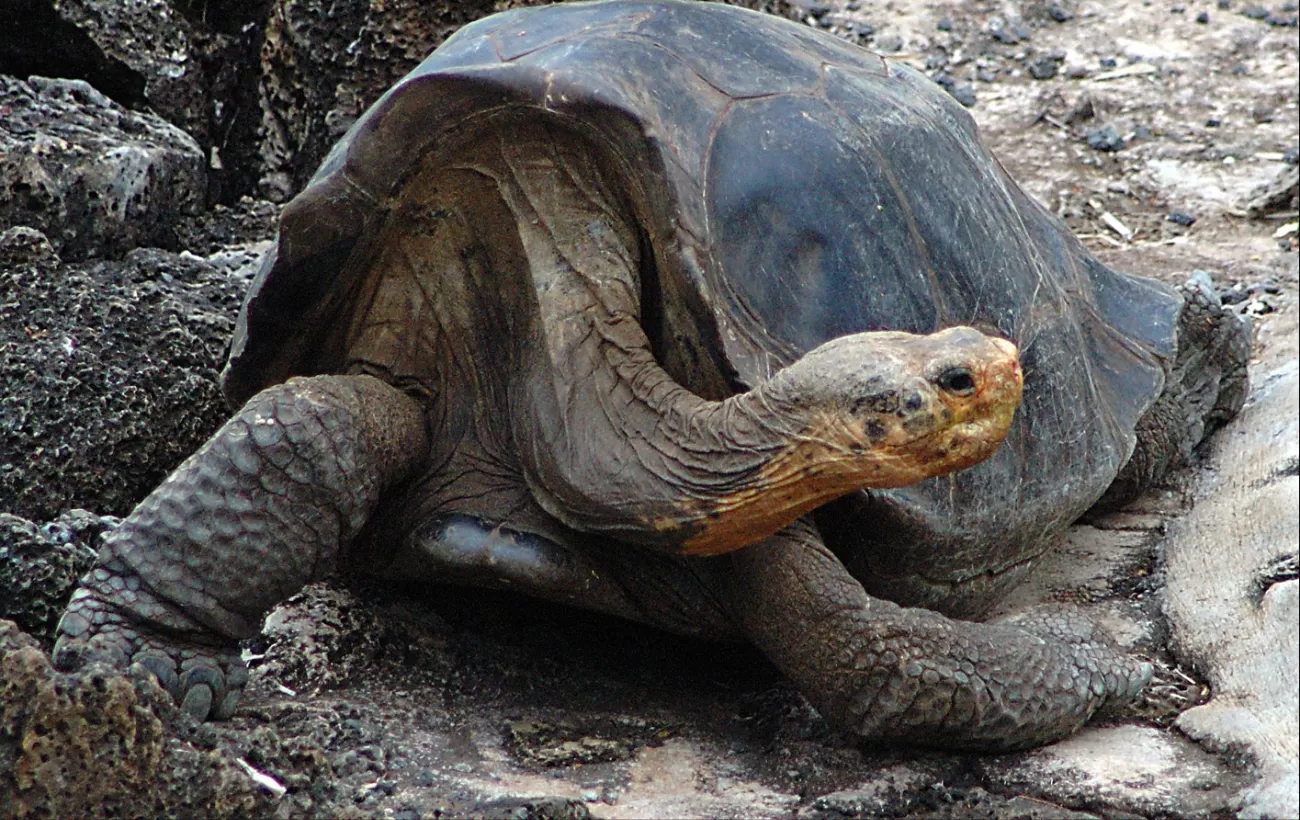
(1158, 131)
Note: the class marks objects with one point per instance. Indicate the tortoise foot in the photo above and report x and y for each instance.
(1109, 671)
(204, 680)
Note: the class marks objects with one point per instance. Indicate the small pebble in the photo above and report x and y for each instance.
(963, 94)
(985, 75)
(1234, 295)
(1044, 68)
(1107, 62)
(1082, 110)
(1105, 138)
(1282, 20)
(816, 8)
(1262, 113)
(1224, 5)
(1203, 17)
(1255, 12)
(1181, 218)
(890, 43)
(1213, 122)
(1141, 133)
(1291, 155)
(934, 62)
(944, 24)
(1059, 13)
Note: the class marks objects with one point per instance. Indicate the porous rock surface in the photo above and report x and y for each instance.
(104, 744)
(97, 178)
(107, 371)
(40, 565)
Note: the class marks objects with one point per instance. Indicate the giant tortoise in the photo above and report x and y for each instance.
(602, 291)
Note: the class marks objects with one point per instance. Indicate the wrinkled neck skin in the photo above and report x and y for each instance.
(856, 413)
(704, 477)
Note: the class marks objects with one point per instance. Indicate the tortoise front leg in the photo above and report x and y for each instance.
(264, 507)
(911, 675)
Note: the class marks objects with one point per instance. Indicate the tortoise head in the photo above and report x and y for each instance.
(866, 411)
(888, 409)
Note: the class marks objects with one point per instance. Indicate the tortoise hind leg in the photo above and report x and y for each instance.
(264, 507)
(891, 673)
(1205, 388)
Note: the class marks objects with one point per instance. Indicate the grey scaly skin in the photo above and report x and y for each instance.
(892, 673)
(260, 510)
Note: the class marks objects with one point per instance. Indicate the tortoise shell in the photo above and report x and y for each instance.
(789, 188)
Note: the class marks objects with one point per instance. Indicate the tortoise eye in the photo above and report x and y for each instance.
(956, 380)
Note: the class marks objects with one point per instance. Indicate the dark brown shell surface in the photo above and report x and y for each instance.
(791, 188)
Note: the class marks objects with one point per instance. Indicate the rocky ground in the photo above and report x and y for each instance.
(143, 150)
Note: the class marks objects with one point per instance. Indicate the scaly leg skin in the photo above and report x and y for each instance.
(913, 676)
(1205, 388)
(263, 508)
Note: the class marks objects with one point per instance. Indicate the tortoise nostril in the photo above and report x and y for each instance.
(956, 380)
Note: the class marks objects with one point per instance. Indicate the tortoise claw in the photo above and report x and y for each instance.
(163, 668)
(198, 701)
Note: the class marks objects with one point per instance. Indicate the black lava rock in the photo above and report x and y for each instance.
(1181, 218)
(961, 92)
(1203, 17)
(1059, 13)
(40, 566)
(1003, 35)
(1044, 68)
(1105, 138)
(1233, 296)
